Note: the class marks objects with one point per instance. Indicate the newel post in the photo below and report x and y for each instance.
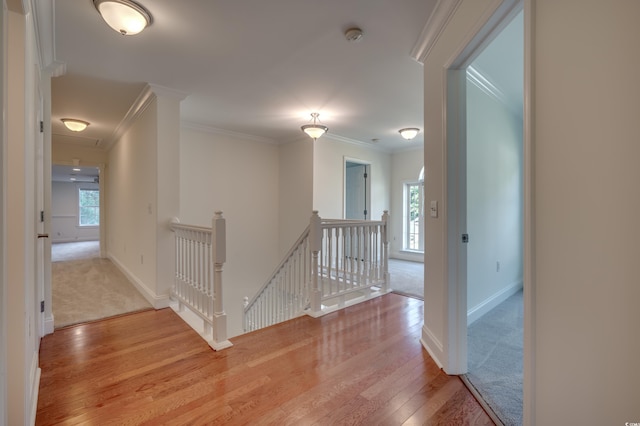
(219, 257)
(315, 240)
(385, 250)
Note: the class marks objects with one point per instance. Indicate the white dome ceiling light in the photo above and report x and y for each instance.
(75, 125)
(409, 132)
(124, 16)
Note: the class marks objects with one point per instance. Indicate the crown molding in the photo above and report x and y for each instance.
(44, 27)
(433, 29)
(141, 103)
(205, 128)
(480, 81)
(168, 92)
(368, 145)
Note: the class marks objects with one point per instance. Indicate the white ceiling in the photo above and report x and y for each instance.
(254, 67)
(61, 173)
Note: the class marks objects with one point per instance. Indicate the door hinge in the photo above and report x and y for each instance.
(465, 238)
(42, 306)
(41, 126)
(41, 215)
(366, 175)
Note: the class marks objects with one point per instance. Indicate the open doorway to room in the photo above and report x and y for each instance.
(75, 215)
(494, 95)
(85, 286)
(489, 90)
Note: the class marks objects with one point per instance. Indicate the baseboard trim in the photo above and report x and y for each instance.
(432, 345)
(491, 302)
(48, 324)
(35, 388)
(74, 240)
(157, 301)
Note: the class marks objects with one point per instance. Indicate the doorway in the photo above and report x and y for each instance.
(357, 189)
(485, 87)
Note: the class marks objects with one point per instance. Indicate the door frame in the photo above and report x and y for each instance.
(367, 203)
(498, 16)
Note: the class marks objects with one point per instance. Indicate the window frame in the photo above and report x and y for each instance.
(407, 228)
(80, 207)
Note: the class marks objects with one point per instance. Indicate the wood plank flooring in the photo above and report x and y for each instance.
(360, 366)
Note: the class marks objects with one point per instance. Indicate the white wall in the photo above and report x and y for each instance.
(581, 337)
(296, 191)
(20, 292)
(328, 177)
(131, 202)
(3, 241)
(64, 213)
(405, 167)
(65, 153)
(494, 202)
(587, 206)
(241, 178)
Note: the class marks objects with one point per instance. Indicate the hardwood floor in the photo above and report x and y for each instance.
(363, 365)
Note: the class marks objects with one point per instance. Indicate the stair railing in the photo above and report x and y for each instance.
(200, 255)
(334, 264)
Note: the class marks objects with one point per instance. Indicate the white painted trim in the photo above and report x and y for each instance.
(157, 301)
(49, 324)
(433, 29)
(72, 240)
(35, 373)
(483, 83)
(368, 145)
(433, 346)
(168, 92)
(141, 103)
(204, 128)
(528, 162)
(197, 324)
(492, 301)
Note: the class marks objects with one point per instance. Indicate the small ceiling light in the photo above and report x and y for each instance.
(75, 125)
(409, 133)
(75, 169)
(124, 16)
(314, 130)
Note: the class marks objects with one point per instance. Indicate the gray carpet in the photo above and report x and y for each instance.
(495, 358)
(407, 278)
(87, 288)
(61, 252)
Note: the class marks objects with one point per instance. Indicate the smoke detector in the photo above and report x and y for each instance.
(353, 34)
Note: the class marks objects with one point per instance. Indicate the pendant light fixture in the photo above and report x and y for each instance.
(409, 132)
(314, 130)
(124, 16)
(75, 125)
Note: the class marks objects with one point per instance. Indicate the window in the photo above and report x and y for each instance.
(89, 207)
(414, 214)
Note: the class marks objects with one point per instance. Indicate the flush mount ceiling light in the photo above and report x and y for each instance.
(314, 130)
(409, 132)
(75, 125)
(124, 16)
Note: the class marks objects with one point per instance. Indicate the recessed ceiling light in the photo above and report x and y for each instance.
(76, 169)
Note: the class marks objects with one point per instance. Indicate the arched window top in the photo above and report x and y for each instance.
(421, 176)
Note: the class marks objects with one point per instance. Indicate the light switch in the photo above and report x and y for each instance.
(434, 208)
